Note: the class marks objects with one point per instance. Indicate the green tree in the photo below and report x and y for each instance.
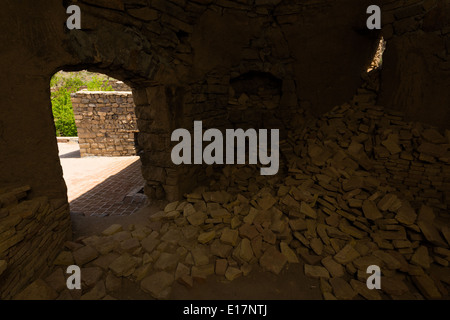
(62, 105)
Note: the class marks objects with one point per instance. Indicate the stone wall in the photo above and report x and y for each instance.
(32, 233)
(119, 86)
(106, 123)
(231, 64)
(416, 64)
(152, 45)
(416, 160)
(182, 59)
(410, 156)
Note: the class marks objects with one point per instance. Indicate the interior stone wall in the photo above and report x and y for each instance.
(106, 123)
(196, 52)
(205, 60)
(32, 231)
(119, 86)
(416, 64)
(412, 157)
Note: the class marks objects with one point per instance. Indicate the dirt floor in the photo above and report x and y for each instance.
(290, 284)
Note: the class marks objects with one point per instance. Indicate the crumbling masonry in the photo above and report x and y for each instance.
(236, 64)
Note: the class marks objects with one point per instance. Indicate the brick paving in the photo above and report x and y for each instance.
(101, 186)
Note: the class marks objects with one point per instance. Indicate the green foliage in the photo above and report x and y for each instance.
(62, 105)
(72, 84)
(54, 81)
(63, 114)
(97, 84)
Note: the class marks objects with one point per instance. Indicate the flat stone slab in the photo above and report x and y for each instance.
(199, 256)
(221, 267)
(431, 234)
(273, 260)
(112, 229)
(90, 276)
(393, 286)
(346, 255)
(334, 268)
(157, 284)
(181, 270)
(220, 249)
(341, 289)
(427, 286)
(421, 257)
(230, 236)
(288, 253)
(366, 261)
(85, 255)
(316, 272)
(106, 245)
(267, 202)
(371, 211)
(362, 290)
(149, 244)
(97, 293)
(246, 251)
(307, 210)
(166, 261)
(390, 261)
(65, 258)
(123, 265)
(248, 231)
(38, 290)
(105, 260)
(232, 273)
(130, 245)
(113, 283)
(172, 236)
(406, 215)
(206, 237)
(197, 218)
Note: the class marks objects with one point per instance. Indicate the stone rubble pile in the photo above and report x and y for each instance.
(363, 187)
(408, 156)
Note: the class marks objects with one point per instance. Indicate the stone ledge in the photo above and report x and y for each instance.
(106, 93)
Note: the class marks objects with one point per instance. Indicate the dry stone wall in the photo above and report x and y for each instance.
(317, 48)
(409, 156)
(106, 123)
(119, 86)
(416, 64)
(156, 121)
(27, 226)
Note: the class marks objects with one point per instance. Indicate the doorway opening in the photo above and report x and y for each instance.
(96, 130)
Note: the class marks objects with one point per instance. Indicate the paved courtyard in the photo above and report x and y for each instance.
(101, 185)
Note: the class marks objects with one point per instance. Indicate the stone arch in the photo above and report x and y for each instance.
(179, 58)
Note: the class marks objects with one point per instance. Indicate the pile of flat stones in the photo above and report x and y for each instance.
(330, 213)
